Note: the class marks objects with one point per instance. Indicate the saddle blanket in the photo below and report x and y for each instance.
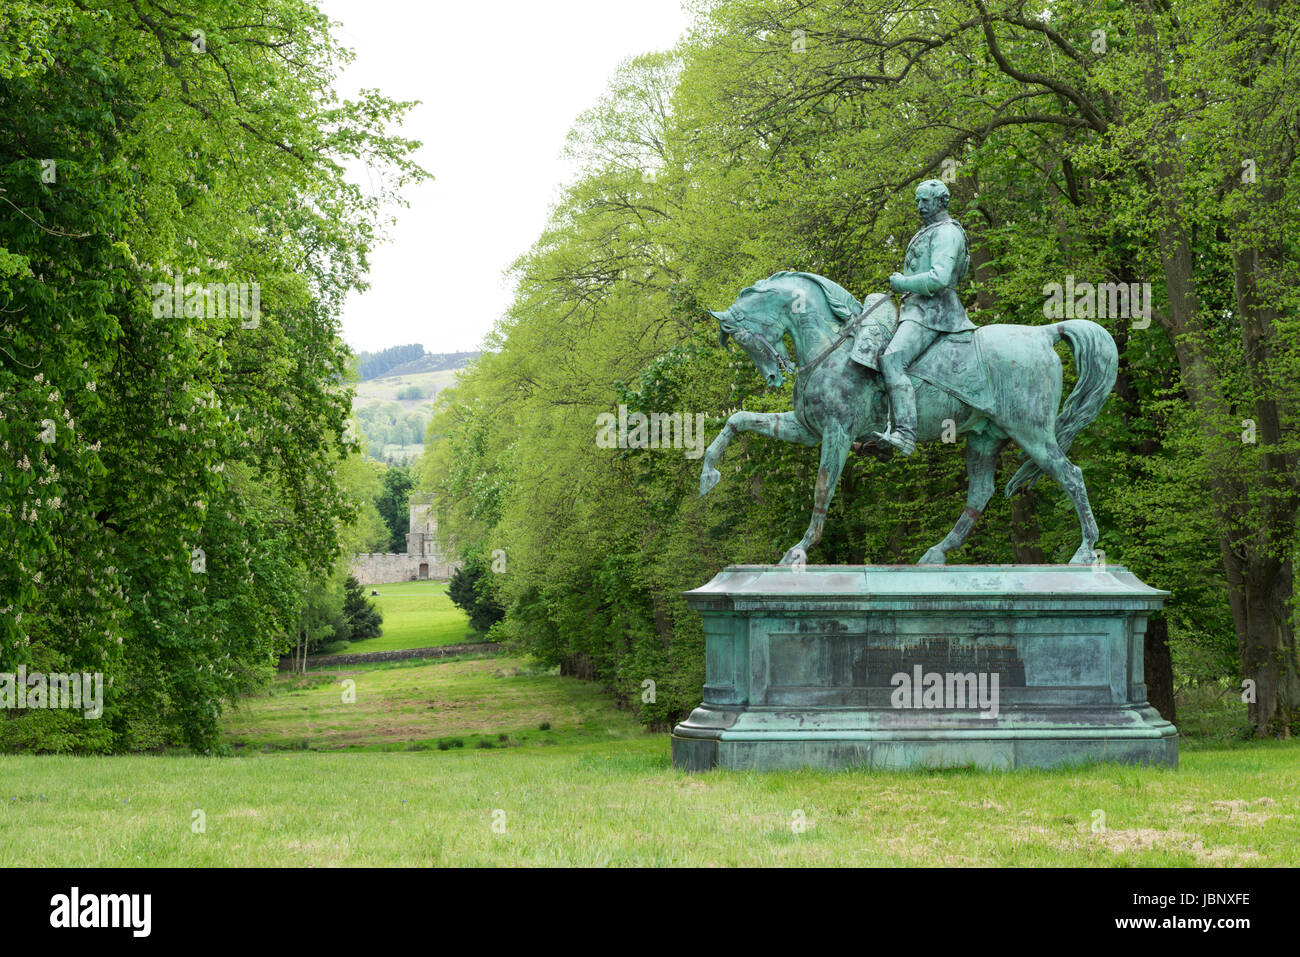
(954, 362)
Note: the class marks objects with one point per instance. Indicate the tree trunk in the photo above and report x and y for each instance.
(1024, 528)
(1158, 664)
(1268, 650)
(578, 665)
(1263, 582)
(1265, 573)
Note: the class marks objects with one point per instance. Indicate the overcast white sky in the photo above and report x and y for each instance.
(501, 83)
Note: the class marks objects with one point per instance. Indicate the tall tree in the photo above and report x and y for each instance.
(393, 503)
(168, 478)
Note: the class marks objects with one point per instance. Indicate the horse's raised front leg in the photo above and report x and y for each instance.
(981, 466)
(836, 441)
(778, 425)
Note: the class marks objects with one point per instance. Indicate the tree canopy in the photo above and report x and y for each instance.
(170, 476)
(1098, 141)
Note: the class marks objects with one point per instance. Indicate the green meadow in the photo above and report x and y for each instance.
(618, 802)
(386, 388)
(468, 702)
(416, 615)
(493, 761)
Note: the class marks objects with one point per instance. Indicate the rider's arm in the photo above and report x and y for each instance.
(944, 255)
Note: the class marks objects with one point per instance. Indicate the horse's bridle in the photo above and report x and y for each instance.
(742, 335)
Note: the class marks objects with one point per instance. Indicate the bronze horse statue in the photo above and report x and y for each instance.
(1007, 389)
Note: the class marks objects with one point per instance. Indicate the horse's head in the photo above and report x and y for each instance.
(755, 321)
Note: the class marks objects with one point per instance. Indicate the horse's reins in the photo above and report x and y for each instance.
(848, 331)
(783, 361)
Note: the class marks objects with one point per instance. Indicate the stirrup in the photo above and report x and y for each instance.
(902, 441)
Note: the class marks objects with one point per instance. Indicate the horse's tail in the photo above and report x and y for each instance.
(1097, 361)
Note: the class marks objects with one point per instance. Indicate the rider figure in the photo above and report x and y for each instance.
(936, 259)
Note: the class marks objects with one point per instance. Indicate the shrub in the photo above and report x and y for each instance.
(362, 617)
(468, 589)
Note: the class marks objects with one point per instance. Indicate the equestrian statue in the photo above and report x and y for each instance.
(872, 378)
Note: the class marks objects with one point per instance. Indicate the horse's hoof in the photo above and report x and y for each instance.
(933, 557)
(796, 557)
(1086, 556)
(708, 478)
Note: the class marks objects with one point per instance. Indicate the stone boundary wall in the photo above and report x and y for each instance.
(360, 658)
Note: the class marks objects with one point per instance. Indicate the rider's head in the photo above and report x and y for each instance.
(931, 199)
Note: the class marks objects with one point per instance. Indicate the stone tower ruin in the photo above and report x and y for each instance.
(422, 558)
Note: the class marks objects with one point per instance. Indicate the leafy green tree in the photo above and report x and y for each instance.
(168, 463)
(1099, 140)
(362, 478)
(393, 504)
(465, 590)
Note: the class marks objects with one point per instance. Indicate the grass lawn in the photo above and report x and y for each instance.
(595, 790)
(619, 802)
(416, 615)
(418, 704)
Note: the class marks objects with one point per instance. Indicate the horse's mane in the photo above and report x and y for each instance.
(844, 305)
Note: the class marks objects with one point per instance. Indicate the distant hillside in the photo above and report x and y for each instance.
(394, 411)
(433, 362)
(372, 365)
(408, 360)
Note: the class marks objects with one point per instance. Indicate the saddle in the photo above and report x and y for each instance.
(954, 362)
(873, 332)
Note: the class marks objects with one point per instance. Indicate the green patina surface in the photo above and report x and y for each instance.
(992, 666)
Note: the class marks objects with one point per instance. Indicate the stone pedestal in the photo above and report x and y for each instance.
(898, 666)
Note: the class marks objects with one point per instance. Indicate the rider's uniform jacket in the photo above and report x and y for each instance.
(936, 260)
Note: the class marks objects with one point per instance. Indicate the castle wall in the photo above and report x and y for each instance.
(375, 568)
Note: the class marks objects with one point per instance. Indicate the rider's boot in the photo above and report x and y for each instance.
(902, 401)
